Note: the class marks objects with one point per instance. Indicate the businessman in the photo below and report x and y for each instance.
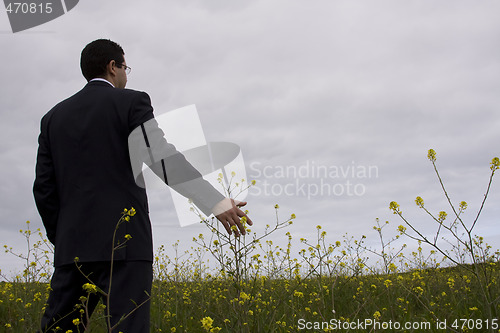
(84, 180)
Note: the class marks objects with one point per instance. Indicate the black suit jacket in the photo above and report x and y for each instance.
(84, 178)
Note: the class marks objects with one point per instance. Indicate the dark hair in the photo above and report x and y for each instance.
(97, 55)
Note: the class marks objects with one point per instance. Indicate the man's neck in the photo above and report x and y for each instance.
(103, 80)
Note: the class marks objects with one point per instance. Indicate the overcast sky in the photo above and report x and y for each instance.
(298, 85)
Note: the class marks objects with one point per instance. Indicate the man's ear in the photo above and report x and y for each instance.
(111, 68)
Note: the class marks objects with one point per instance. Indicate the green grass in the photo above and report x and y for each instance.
(276, 305)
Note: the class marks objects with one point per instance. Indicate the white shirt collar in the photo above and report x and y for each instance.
(104, 80)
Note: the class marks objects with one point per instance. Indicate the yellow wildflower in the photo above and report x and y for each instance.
(131, 212)
(431, 155)
(90, 288)
(244, 296)
(442, 216)
(206, 323)
(495, 163)
(394, 206)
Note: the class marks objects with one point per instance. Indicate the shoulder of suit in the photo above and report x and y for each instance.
(136, 95)
(111, 89)
(125, 92)
(132, 91)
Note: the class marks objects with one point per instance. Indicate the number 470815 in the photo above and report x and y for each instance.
(29, 8)
(472, 324)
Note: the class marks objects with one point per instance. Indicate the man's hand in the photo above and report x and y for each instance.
(228, 213)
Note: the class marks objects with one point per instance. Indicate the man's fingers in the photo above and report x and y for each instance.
(249, 221)
(227, 227)
(235, 230)
(242, 214)
(233, 219)
(236, 222)
(230, 216)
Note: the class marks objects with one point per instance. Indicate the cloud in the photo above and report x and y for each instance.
(374, 83)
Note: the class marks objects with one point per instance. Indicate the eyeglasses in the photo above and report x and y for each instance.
(127, 68)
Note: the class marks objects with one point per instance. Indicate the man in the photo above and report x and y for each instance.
(84, 180)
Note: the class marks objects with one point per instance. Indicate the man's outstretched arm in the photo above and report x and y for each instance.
(147, 145)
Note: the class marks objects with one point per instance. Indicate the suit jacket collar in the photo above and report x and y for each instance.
(100, 82)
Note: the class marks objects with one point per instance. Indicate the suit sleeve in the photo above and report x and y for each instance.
(140, 110)
(44, 187)
(148, 145)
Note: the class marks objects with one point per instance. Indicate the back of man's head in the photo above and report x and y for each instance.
(96, 56)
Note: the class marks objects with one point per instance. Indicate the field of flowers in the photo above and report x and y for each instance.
(325, 286)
